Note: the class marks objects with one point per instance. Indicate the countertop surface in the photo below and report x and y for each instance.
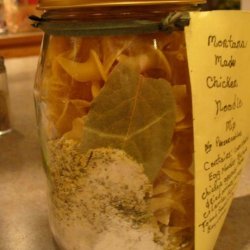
(23, 207)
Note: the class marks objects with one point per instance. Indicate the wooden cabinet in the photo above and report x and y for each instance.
(20, 45)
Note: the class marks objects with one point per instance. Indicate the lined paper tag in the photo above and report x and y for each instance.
(218, 47)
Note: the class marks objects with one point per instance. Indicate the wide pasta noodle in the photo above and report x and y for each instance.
(91, 70)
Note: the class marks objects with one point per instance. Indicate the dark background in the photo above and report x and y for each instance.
(223, 4)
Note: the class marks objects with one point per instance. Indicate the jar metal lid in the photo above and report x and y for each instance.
(61, 4)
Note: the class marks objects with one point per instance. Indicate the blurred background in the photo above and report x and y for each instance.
(18, 38)
(224, 4)
(14, 13)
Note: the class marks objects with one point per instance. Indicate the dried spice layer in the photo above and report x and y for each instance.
(104, 195)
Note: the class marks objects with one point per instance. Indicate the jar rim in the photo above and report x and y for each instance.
(65, 4)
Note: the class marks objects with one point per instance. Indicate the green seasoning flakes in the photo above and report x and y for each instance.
(104, 190)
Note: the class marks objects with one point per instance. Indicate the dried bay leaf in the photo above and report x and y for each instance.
(133, 113)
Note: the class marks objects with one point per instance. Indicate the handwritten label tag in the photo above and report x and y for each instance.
(218, 47)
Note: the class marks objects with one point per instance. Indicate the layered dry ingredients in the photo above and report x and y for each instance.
(116, 125)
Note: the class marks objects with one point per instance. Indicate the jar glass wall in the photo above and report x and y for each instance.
(115, 120)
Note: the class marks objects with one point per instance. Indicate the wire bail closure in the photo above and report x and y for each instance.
(173, 22)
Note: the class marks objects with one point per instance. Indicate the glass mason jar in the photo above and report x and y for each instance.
(114, 112)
